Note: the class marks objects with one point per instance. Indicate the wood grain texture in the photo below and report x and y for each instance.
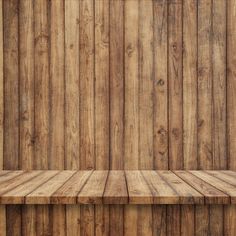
(131, 122)
(116, 88)
(72, 128)
(190, 84)
(175, 81)
(26, 87)
(11, 84)
(146, 84)
(1, 88)
(102, 70)
(86, 84)
(231, 85)
(160, 102)
(205, 160)
(41, 77)
(57, 111)
(219, 84)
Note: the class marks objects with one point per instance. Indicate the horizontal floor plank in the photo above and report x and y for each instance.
(117, 187)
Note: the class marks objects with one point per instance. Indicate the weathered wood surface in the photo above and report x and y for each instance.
(118, 187)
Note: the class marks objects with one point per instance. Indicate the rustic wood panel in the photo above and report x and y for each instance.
(118, 84)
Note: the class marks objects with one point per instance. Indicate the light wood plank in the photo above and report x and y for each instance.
(131, 143)
(130, 220)
(17, 180)
(190, 84)
(229, 220)
(161, 191)
(187, 194)
(160, 103)
(87, 220)
(72, 101)
(116, 84)
(73, 220)
(205, 85)
(44, 192)
(219, 83)
(159, 220)
(93, 190)
(41, 69)
(173, 220)
(231, 82)
(28, 220)
(26, 86)
(86, 76)
(10, 175)
(17, 195)
(57, 65)
(175, 82)
(187, 220)
(67, 193)
(227, 178)
(116, 189)
(102, 220)
(217, 183)
(102, 84)
(211, 195)
(3, 220)
(138, 193)
(146, 84)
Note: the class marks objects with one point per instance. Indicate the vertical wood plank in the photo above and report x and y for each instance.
(44, 220)
(216, 220)
(146, 84)
(145, 220)
(102, 84)
(72, 84)
(87, 220)
(175, 84)
(102, 220)
(173, 220)
(131, 85)
(202, 221)
(57, 85)
(86, 84)
(73, 220)
(11, 84)
(13, 216)
(26, 55)
(231, 82)
(130, 220)
(160, 113)
(187, 220)
(116, 83)
(159, 220)
(41, 106)
(190, 84)
(28, 220)
(116, 220)
(3, 220)
(219, 83)
(229, 220)
(58, 220)
(1, 87)
(205, 84)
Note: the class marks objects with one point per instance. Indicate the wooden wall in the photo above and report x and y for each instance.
(113, 84)
(117, 84)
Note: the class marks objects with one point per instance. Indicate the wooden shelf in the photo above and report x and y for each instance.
(117, 187)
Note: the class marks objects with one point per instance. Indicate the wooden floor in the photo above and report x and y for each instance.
(117, 187)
